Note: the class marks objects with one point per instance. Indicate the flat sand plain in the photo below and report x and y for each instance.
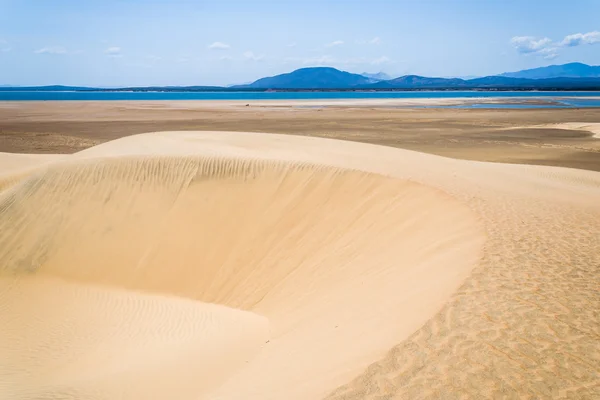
(241, 265)
(474, 134)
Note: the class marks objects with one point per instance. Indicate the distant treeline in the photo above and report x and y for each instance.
(191, 89)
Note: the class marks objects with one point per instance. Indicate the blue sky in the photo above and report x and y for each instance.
(219, 42)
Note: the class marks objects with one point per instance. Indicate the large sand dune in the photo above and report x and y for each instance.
(219, 265)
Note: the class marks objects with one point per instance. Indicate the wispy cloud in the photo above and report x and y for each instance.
(153, 58)
(381, 60)
(543, 47)
(530, 44)
(549, 49)
(374, 41)
(142, 64)
(248, 55)
(335, 43)
(578, 39)
(225, 58)
(4, 46)
(51, 50)
(549, 53)
(114, 52)
(218, 46)
(291, 44)
(321, 60)
(328, 60)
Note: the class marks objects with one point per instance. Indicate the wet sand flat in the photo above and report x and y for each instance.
(512, 136)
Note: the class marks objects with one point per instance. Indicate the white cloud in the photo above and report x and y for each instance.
(183, 60)
(4, 46)
(335, 43)
(114, 52)
(530, 44)
(291, 45)
(549, 49)
(144, 65)
(328, 60)
(551, 56)
(381, 60)
(153, 58)
(322, 60)
(549, 53)
(577, 39)
(219, 46)
(51, 50)
(376, 41)
(225, 58)
(248, 55)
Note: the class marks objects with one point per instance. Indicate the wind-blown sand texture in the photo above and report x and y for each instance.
(222, 265)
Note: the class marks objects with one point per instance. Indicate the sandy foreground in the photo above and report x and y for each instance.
(228, 265)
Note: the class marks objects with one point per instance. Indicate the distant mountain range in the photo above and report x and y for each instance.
(573, 76)
(379, 76)
(571, 70)
(546, 78)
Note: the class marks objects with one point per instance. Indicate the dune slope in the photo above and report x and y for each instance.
(316, 269)
(226, 265)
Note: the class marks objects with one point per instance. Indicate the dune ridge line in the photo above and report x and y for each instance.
(227, 265)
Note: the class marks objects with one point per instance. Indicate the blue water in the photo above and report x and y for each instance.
(581, 100)
(564, 103)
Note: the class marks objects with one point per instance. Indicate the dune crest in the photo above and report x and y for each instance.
(223, 265)
(340, 264)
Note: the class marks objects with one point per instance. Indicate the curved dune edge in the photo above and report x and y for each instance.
(420, 235)
(15, 167)
(67, 340)
(592, 127)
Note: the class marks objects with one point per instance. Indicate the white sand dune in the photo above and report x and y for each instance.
(14, 167)
(221, 265)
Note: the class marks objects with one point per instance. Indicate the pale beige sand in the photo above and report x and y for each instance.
(225, 265)
(14, 167)
(593, 127)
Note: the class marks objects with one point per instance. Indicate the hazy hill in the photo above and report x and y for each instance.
(326, 78)
(309, 78)
(571, 70)
(379, 76)
(412, 81)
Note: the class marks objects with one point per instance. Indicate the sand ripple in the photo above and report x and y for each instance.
(221, 265)
(191, 265)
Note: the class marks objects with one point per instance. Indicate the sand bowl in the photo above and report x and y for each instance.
(234, 266)
(285, 260)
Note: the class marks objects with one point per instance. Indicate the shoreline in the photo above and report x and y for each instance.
(339, 102)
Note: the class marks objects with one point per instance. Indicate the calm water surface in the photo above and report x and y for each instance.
(561, 99)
